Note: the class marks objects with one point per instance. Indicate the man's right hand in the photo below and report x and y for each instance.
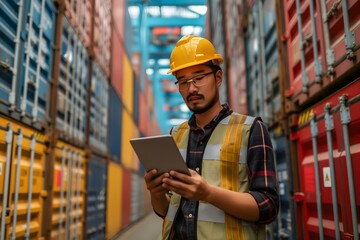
(159, 199)
(154, 182)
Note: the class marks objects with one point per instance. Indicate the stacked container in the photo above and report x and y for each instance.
(235, 53)
(22, 165)
(216, 22)
(27, 33)
(254, 86)
(320, 44)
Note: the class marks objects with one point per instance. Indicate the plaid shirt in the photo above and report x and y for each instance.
(261, 166)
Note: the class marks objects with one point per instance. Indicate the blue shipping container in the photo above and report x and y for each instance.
(115, 123)
(96, 200)
(27, 34)
(99, 110)
(283, 223)
(73, 85)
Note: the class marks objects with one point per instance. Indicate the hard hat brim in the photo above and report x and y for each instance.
(190, 64)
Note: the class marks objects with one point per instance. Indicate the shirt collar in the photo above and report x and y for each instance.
(225, 111)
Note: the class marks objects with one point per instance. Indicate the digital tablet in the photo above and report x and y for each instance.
(159, 152)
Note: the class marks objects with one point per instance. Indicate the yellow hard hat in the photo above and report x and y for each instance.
(193, 50)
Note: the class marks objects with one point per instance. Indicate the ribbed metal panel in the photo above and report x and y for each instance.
(99, 111)
(117, 46)
(328, 159)
(27, 33)
(68, 192)
(136, 110)
(129, 130)
(73, 86)
(96, 199)
(217, 38)
(126, 197)
(322, 40)
(115, 131)
(80, 13)
(102, 35)
(284, 220)
(128, 85)
(114, 200)
(137, 197)
(21, 180)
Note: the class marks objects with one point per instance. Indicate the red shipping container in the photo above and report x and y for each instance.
(79, 14)
(102, 34)
(323, 45)
(117, 47)
(235, 52)
(144, 113)
(126, 201)
(328, 162)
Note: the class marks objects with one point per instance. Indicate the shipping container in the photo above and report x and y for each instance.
(283, 224)
(322, 39)
(263, 95)
(235, 53)
(27, 34)
(216, 36)
(127, 96)
(96, 198)
(115, 126)
(99, 111)
(137, 197)
(144, 114)
(129, 130)
(328, 157)
(23, 156)
(102, 35)
(114, 200)
(80, 14)
(73, 87)
(117, 46)
(68, 192)
(126, 197)
(136, 100)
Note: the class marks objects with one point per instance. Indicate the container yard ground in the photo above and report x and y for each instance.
(148, 228)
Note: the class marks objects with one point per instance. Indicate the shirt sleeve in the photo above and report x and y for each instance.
(263, 181)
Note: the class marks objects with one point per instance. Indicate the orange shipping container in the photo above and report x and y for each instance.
(114, 200)
(129, 130)
(68, 192)
(22, 181)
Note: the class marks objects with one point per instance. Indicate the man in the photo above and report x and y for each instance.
(232, 191)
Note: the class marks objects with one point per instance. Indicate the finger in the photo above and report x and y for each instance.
(158, 189)
(174, 184)
(150, 175)
(180, 176)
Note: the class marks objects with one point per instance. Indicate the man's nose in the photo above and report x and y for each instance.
(192, 86)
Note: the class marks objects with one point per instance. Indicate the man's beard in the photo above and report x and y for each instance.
(199, 110)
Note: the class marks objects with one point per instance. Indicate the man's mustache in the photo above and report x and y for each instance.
(194, 95)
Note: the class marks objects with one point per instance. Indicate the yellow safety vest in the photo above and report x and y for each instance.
(224, 164)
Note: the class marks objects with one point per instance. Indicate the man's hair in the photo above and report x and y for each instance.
(214, 67)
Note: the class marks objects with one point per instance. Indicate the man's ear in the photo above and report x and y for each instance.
(219, 79)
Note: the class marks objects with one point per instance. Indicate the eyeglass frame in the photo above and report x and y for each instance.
(191, 80)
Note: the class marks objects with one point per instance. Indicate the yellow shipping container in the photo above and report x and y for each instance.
(128, 85)
(69, 192)
(22, 181)
(129, 130)
(114, 200)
